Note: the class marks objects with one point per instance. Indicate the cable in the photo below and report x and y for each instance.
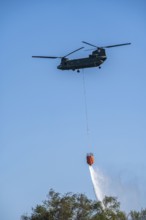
(86, 107)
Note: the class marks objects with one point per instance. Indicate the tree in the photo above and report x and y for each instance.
(135, 215)
(76, 207)
(109, 209)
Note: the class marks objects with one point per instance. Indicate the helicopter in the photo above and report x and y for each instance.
(96, 59)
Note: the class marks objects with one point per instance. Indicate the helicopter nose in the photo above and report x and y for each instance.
(59, 67)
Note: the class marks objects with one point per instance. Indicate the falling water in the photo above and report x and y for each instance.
(97, 180)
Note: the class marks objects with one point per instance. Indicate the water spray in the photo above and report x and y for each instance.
(96, 184)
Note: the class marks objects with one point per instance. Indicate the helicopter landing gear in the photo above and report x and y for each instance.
(78, 71)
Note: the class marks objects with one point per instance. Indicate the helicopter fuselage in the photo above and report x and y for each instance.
(93, 60)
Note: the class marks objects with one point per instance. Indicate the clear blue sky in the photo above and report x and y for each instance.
(43, 141)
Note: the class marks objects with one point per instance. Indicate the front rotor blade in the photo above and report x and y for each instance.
(45, 57)
(73, 51)
(89, 44)
(116, 45)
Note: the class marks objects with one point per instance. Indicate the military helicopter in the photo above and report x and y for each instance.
(95, 59)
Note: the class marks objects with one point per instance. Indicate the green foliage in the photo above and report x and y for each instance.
(79, 207)
(138, 215)
(108, 209)
(57, 207)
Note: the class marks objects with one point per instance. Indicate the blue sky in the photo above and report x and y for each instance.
(43, 141)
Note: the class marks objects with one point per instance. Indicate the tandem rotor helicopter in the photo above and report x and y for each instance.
(96, 59)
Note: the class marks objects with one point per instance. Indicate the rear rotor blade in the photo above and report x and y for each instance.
(116, 45)
(89, 44)
(73, 52)
(45, 57)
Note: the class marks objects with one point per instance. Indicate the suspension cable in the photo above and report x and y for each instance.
(86, 107)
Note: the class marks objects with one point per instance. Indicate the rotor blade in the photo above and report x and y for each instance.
(45, 57)
(89, 44)
(116, 45)
(89, 49)
(73, 51)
